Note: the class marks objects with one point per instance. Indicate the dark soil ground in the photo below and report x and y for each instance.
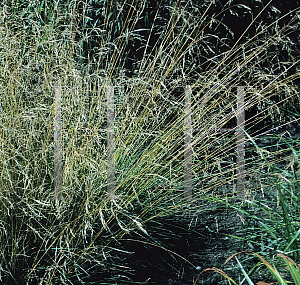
(199, 245)
(205, 244)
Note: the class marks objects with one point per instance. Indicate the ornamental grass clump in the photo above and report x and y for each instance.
(70, 235)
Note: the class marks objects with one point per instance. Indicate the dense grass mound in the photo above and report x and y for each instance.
(48, 241)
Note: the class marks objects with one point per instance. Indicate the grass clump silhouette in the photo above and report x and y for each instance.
(43, 242)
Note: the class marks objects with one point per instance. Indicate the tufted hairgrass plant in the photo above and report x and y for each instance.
(46, 241)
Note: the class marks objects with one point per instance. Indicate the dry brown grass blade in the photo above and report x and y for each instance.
(289, 260)
(216, 270)
(229, 258)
